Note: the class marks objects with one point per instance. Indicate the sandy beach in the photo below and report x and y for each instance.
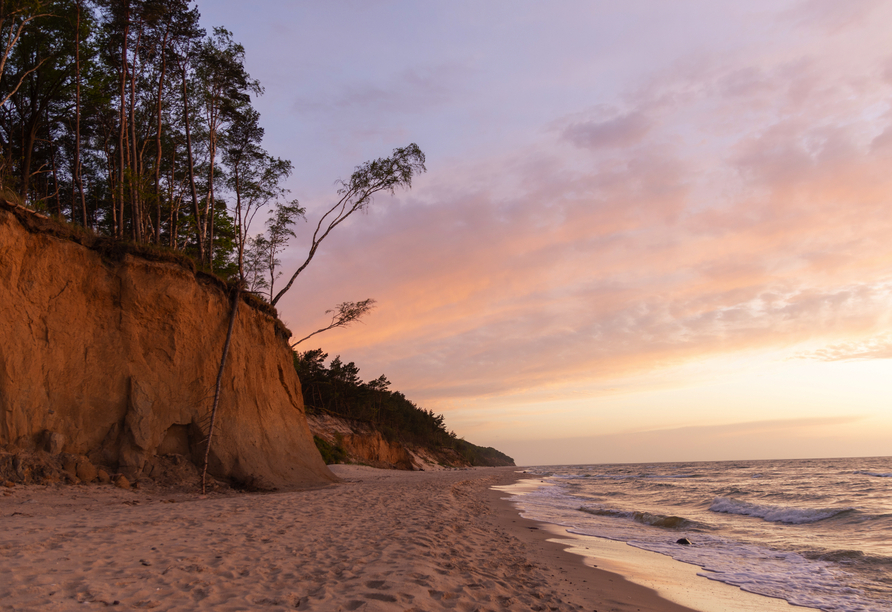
(380, 540)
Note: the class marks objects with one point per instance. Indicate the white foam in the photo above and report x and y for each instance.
(874, 474)
(786, 575)
(775, 514)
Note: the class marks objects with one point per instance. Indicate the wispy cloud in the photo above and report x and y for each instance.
(413, 90)
(730, 198)
(545, 265)
(830, 16)
(619, 131)
(873, 348)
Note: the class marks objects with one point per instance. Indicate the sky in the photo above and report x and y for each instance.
(649, 231)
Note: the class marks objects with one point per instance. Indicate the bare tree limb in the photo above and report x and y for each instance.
(344, 314)
(15, 33)
(383, 174)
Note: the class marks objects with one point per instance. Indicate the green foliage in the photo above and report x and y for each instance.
(129, 119)
(261, 260)
(337, 390)
(331, 454)
(110, 116)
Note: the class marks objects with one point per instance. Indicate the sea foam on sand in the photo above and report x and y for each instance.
(379, 540)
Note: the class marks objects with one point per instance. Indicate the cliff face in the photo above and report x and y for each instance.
(117, 360)
(357, 442)
(362, 444)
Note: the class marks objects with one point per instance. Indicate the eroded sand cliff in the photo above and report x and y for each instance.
(115, 359)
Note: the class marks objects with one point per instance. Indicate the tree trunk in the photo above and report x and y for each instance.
(56, 186)
(77, 120)
(158, 137)
(174, 209)
(212, 154)
(136, 213)
(238, 223)
(199, 230)
(29, 137)
(122, 132)
(112, 172)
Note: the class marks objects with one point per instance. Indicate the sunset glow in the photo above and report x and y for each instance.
(648, 232)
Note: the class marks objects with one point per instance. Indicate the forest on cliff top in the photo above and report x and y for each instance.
(129, 118)
(337, 390)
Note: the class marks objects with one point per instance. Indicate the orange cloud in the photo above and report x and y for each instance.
(733, 204)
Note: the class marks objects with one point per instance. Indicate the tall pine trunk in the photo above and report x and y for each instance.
(136, 212)
(122, 133)
(199, 230)
(158, 137)
(79, 183)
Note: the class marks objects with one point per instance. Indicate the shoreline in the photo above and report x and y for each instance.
(605, 590)
(379, 540)
(671, 581)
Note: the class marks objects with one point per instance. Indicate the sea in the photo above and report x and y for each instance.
(815, 532)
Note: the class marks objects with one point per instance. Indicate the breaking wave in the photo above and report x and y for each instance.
(776, 514)
(645, 518)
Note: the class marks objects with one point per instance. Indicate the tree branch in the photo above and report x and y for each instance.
(368, 179)
(344, 314)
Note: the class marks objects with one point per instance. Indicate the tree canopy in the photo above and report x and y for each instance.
(339, 391)
(130, 118)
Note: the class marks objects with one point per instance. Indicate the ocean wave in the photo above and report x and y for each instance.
(776, 514)
(645, 518)
(846, 557)
(874, 474)
(606, 512)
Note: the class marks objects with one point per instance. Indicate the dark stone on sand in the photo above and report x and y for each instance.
(683, 542)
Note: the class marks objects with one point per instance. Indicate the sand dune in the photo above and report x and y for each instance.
(380, 540)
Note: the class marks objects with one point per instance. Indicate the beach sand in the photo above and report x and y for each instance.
(380, 540)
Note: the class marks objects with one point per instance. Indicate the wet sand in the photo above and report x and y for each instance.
(380, 540)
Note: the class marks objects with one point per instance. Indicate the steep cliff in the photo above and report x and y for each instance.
(115, 358)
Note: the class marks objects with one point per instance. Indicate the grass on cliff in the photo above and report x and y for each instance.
(331, 453)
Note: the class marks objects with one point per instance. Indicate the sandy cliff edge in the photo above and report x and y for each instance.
(116, 360)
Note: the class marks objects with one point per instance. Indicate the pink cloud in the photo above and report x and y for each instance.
(831, 16)
(742, 206)
(620, 131)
